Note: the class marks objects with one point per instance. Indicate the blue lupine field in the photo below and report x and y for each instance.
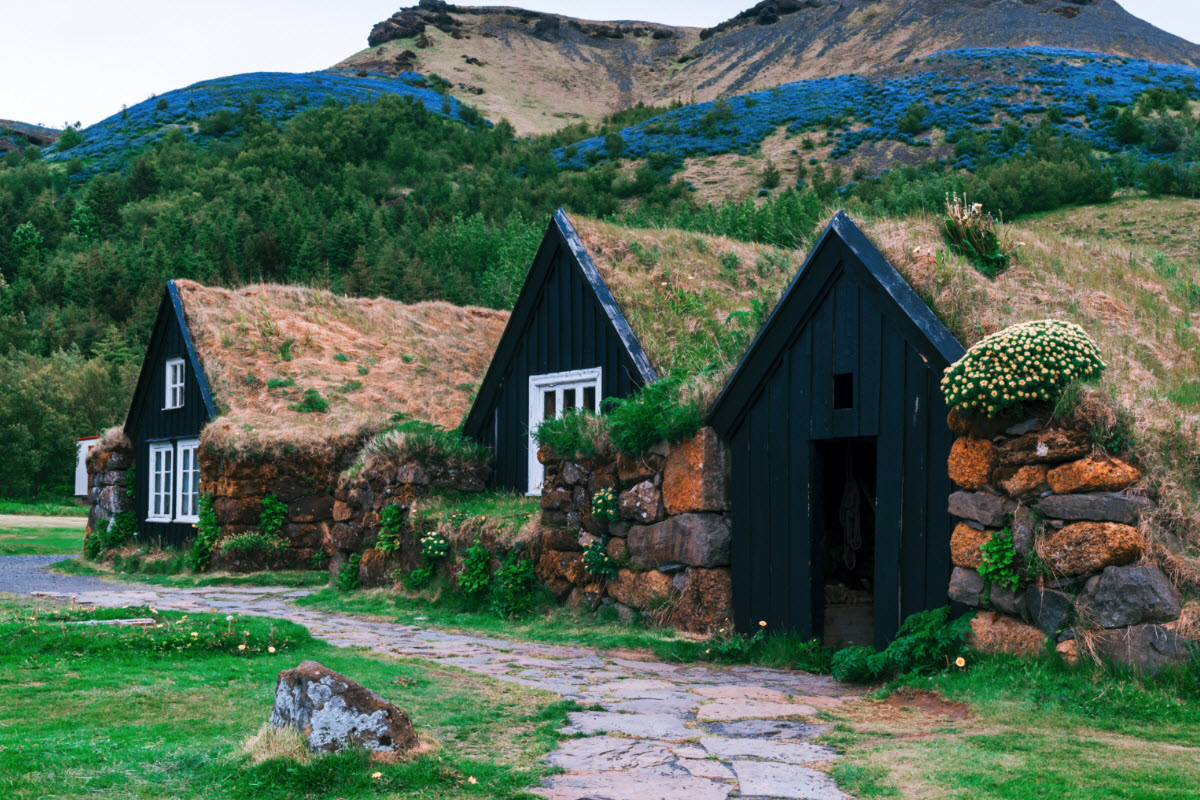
(276, 96)
(961, 89)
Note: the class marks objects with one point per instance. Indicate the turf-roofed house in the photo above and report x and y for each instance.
(252, 402)
(833, 414)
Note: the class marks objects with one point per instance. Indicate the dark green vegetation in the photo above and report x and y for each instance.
(96, 711)
(994, 724)
(927, 641)
(48, 506)
(165, 568)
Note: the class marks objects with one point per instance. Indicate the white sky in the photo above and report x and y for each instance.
(70, 60)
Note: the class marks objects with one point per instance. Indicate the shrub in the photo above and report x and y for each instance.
(515, 583)
(576, 434)
(652, 415)
(973, 234)
(1022, 365)
(770, 175)
(312, 403)
(118, 530)
(347, 577)
(208, 530)
(926, 642)
(597, 562)
(604, 505)
(474, 580)
(273, 512)
(390, 521)
(999, 560)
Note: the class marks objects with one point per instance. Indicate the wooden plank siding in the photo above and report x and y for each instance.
(846, 313)
(149, 423)
(564, 319)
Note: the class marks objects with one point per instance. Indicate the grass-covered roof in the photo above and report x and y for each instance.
(267, 349)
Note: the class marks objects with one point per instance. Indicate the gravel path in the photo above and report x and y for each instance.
(14, 521)
(28, 575)
(653, 731)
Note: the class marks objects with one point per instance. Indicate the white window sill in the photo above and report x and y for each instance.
(187, 520)
(172, 408)
(159, 519)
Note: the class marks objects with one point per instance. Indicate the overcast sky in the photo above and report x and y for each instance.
(68, 60)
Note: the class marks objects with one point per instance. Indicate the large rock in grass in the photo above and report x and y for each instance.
(1123, 596)
(1145, 648)
(335, 713)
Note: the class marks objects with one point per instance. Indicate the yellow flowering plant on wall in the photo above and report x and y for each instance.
(1023, 365)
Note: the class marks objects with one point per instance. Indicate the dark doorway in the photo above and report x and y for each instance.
(844, 547)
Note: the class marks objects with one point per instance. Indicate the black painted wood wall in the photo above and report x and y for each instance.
(838, 319)
(565, 319)
(148, 423)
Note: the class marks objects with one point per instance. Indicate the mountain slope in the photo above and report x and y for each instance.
(542, 70)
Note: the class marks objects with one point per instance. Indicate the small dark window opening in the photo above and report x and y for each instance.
(843, 390)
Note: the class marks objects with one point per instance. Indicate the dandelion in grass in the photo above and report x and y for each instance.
(960, 662)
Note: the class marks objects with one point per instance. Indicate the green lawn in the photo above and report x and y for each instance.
(28, 541)
(1026, 730)
(144, 574)
(62, 507)
(101, 712)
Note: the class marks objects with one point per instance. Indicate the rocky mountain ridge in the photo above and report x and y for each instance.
(543, 70)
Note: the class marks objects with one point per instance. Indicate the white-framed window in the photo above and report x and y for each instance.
(162, 482)
(187, 483)
(550, 396)
(175, 381)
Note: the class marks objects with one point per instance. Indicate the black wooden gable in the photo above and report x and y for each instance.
(840, 389)
(169, 338)
(842, 251)
(565, 319)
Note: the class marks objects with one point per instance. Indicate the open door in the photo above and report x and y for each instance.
(843, 556)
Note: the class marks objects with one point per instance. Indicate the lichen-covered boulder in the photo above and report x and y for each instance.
(1093, 474)
(1028, 480)
(971, 462)
(995, 633)
(555, 570)
(334, 713)
(1044, 447)
(965, 543)
(696, 475)
(1085, 547)
(640, 589)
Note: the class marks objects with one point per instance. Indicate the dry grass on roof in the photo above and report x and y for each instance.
(264, 346)
(1141, 307)
(678, 290)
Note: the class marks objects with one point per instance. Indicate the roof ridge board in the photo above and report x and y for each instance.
(193, 356)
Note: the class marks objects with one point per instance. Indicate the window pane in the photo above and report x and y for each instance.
(549, 405)
(589, 398)
(568, 399)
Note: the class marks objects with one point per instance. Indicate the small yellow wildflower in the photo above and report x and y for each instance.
(960, 662)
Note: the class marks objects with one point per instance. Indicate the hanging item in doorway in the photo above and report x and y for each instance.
(850, 516)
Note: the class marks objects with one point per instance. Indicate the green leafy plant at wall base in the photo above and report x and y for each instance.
(999, 560)
(208, 530)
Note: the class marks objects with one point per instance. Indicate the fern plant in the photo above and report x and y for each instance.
(347, 577)
(927, 641)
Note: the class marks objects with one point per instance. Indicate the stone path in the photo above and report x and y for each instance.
(652, 731)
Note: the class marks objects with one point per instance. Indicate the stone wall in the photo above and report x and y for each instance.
(108, 468)
(358, 503)
(671, 540)
(1073, 513)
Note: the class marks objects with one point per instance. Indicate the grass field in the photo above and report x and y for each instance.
(31, 541)
(121, 713)
(1025, 730)
(62, 507)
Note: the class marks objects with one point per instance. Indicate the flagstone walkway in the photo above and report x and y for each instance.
(652, 731)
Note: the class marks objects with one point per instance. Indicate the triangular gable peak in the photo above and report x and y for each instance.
(170, 313)
(567, 327)
(843, 255)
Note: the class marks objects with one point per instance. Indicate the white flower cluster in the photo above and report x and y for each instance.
(1025, 364)
(434, 545)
